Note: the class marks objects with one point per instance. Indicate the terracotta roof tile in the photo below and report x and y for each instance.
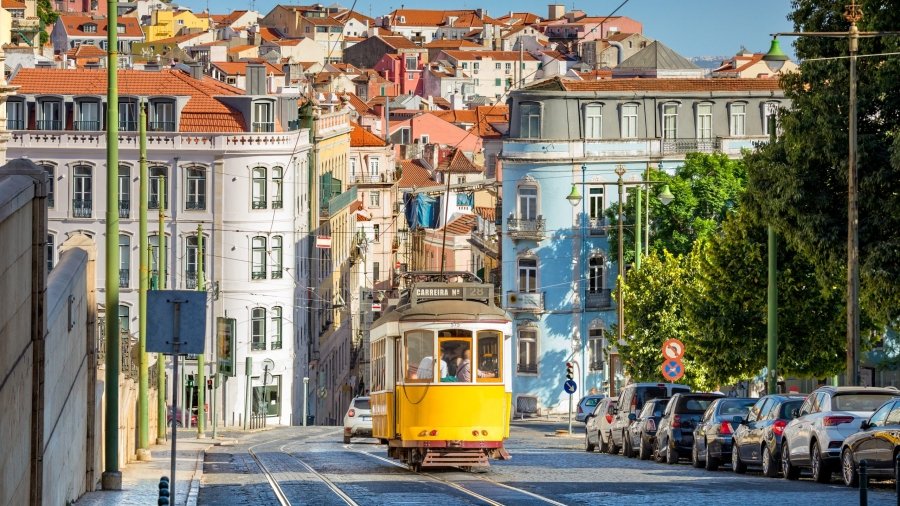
(488, 213)
(414, 175)
(451, 44)
(398, 42)
(457, 116)
(12, 4)
(461, 225)
(424, 17)
(239, 68)
(86, 51)
(653, 84)
(485, 55)
(202, 113)
(242, 48)
(362, 138)
(74, 24)
(459, 163)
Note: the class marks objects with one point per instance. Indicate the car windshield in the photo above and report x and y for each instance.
(694, 404)
(787, 408)
(362, 404)
(592, 401)
(859, 401)
(647, 393)
(736, 407)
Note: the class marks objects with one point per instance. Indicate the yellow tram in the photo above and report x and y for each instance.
(440, 373)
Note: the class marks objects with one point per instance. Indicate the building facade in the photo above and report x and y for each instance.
(564, 133)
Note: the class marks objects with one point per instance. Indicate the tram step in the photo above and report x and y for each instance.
(444, 459)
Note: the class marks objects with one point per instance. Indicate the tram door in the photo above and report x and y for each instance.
(398, 377)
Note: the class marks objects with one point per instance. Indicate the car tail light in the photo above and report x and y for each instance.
(676, 421)
(609, 418)
(725, 428)
(651, 425)
(580, 410)
(830, 421)
(351, 413)
(634, 404)
(778, 427)
(433, 432)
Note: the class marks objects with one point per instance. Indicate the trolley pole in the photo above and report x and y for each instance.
(143, 452)
(201, 358)
(161, 285)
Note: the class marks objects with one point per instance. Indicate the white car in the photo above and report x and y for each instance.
(828, 415)
(358, 420)
(597, 423)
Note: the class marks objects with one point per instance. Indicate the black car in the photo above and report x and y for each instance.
(631, 401)
(877, 442)
(675, 434)
(712, 436)
(758, 438)
(643, 429)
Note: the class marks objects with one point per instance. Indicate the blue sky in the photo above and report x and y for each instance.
(690, 27)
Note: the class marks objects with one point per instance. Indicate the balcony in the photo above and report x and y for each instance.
(161, 126)
(15, 124)
(190, 280)
(263, 126)
(684, 146)
(259, 203)
(153, 203)
(526, 229)
(597, 227)
(527, 368)
(525, 302)
(81, 208)
(371, 178)
(277, 274)
(398, 206)
(128, 126)
(258, 343)
(258, 275)
(49, 124)
(599, 300)
(124, 277)
(195, 204)
(486, 242)
(87, 126)
(124, 208)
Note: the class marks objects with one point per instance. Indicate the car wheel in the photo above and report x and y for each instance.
(627, 450)
(820, 471)
(346, 440)
(788, 470)
(848, 469)
(588, 446)
(769, 467)
(604, 445)
(712, 463)
(695, 458)
(643, 450)
(671, 455)
(612, 449)
(737, 465)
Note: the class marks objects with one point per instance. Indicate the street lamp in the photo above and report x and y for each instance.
(574, 199)
(774, 59)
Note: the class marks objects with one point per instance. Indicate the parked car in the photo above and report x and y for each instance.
(712, 436)
(596, 425)
(675, 433)
(586, 406)
(826, 418)
(642, 432)
(877, 442)
(631, 401)
(757, 439)
(358, 420)
(179, 419)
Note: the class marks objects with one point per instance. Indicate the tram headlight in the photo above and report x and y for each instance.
(433, 432)
(483, 432)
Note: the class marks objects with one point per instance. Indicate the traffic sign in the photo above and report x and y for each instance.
(673, 349)
(672, 370)
(570, 387)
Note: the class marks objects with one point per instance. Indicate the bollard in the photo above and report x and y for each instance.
(162, 501)
(863, 484)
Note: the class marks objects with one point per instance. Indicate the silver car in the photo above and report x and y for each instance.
(597, 423)
(358, 420)
(827, 416)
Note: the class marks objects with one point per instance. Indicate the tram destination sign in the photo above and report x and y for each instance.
(451, 291)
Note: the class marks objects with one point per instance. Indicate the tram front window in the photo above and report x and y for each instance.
(456, 351)
(420, 356)
(488, 356)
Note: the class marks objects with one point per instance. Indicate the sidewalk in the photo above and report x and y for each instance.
(140, 480)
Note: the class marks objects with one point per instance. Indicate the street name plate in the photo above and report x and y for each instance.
(161, 321)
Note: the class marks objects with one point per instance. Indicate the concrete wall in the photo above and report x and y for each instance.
(16, 350)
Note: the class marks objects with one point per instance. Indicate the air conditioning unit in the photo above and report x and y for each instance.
(512, 298)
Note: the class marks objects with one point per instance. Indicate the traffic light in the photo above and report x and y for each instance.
(209, 384)
(570, 370)
(190, 380)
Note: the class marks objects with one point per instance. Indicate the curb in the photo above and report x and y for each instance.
(194, 489)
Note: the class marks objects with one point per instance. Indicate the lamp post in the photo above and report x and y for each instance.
(775, 59)
(574, 198)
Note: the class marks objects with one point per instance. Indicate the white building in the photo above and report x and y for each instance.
(494, 72)
(248, 192)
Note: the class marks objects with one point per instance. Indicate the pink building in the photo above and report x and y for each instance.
(80, 6)
(423, 129)
(404, 70)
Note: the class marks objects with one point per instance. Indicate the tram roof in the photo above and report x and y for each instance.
(457, 310)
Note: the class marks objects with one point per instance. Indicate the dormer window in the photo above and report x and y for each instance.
(162, 116)
(120, 28)
(89, 28)
(49, 114)
(88, 118)
(15, 114)
(128, 115)
(263, 117)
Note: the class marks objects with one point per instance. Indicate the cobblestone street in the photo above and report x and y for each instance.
(312, 466)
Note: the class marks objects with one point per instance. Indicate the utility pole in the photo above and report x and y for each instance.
(620, 304)
(637, 227)
(201, 358)
(143, 284)
(161, 285)
(772, 310)
(112, 477)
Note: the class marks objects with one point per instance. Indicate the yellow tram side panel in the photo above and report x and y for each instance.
(453, 410)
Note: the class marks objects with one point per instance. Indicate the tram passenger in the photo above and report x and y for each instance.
(464, 373)
(426, 368)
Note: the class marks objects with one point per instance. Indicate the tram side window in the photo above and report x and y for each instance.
(378, 364)
(456, 351)
(489, 356)
(420, 356)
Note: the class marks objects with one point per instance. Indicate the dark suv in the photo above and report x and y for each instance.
(631, 401)
(675, 434)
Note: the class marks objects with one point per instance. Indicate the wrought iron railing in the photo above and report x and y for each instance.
(127, 126)
(195, 203)
(599, 299)
(258, 275)
(161, 126)
(259, 203)
(87, 126)
(81, 208)
(124, 208)
(598, 226)
(15, 124)
(277, 204)
(277, 274)
(190, 280)
(276, 345)
(124, 277)
(527, 368)
(678, 146)
(49, 124)
(526, 229)
(257, 343)
(263, 126)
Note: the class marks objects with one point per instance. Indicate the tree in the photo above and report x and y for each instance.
(47, 17)
(705, 188)
(799, 184)
(726, 307)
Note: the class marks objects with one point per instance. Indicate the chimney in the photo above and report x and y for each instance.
(256, 79)
(555, 11)
(196, 70)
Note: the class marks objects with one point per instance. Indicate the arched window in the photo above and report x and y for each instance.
(196, 189)
(276, 328)
(159, 188)
(277, 257)
(124, 191)
(258, 328)
(124, 260)
(259, 188)
(277, 188)
(82, 192)
(258, 260)
(527, 359)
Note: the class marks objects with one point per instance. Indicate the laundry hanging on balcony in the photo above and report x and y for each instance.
(422, 211)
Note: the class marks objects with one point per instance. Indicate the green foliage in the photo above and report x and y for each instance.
(47, 17)
(705, 189)
(799, 184)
